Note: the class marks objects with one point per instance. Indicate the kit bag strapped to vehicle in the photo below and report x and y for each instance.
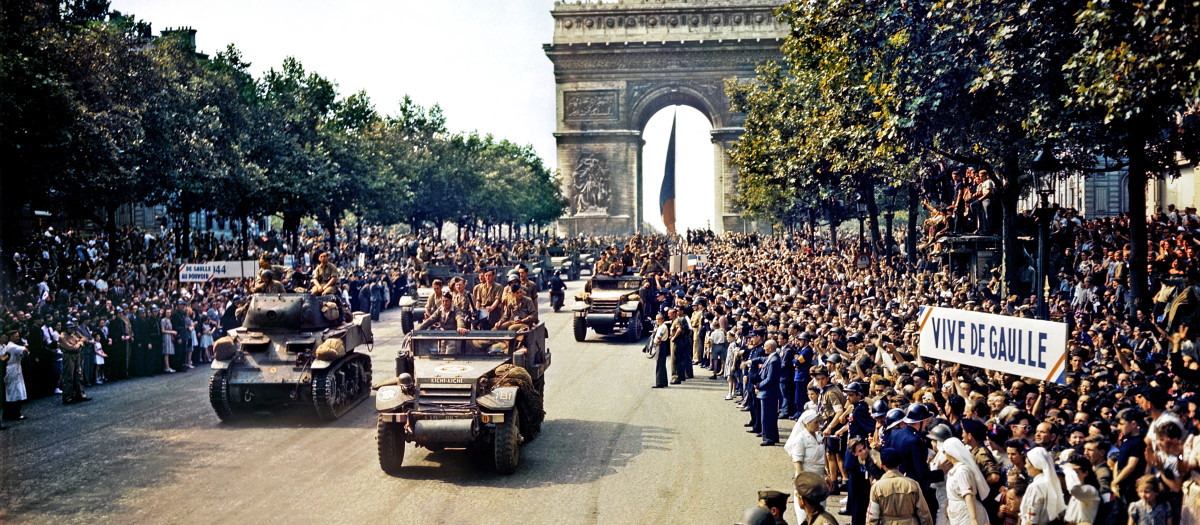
(331, 349)
(224, 349)
(529, 403)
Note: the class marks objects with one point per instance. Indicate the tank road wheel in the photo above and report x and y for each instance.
(580, 328)
(390, 440)
(633, 329)
(406, 321)
(218, 395)
(507, 443)
(338, 388)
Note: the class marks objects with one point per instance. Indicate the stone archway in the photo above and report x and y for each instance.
(617, 64)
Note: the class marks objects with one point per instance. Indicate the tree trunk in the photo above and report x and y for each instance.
(1138, 177)
(330, 224)
(872, 211)
(910, 239)
(833, 224)
(110, 231)
(1010, 193)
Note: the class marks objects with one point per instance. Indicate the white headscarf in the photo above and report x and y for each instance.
(958, 450)
(1046, 482)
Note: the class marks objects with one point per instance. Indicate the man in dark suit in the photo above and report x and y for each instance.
(767, 391)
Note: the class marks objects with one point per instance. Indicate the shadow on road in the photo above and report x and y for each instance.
(568, 451)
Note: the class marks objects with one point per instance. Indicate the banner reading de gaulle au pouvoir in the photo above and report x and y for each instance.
(1026, 347)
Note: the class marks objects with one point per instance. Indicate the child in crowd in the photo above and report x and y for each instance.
(1149, 509)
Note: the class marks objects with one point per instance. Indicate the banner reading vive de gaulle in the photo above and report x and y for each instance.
(1025, 347)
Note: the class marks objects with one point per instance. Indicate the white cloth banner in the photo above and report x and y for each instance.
(1015, 345)
(198, 273)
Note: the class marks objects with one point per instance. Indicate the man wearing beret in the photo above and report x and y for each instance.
(895, 498)
(811, 492)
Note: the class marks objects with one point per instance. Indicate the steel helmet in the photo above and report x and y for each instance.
(917, 412)
(940, 433)
(894, 417)
(857, 388)
(879, 408)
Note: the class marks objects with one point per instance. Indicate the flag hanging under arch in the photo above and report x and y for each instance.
(666, 193)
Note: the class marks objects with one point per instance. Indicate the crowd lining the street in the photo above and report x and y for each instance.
(818, 334)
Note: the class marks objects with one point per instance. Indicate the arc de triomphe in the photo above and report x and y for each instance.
(616, 64)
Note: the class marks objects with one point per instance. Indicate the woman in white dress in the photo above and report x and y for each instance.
(966, 487)
(14, 378)
(806, 449)
(1044, 501)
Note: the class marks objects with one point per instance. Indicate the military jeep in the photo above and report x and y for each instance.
(608, 305)
(292, 349)
(480, 391)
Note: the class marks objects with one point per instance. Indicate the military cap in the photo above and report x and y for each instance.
(921, 373)
(757, 516)
(811, 487)
(976, 429)
(773, 498)
(818, 371)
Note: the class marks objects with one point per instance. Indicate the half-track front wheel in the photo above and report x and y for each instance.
(580, 329)
(390, 440)
(633, 329)
(218, 395)
(406, 321)
(507, 444)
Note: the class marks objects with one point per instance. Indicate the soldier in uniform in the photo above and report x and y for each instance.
(829, 405)
(283, 274)
(775, 502)
(679, 349)
(974, 436)
(445, 317)
(520, 312)
(811, 492)
(529, 287)
(464, 259)
(896, 499)
(488, 296)
(267, 284)
(71, 343)
(325, 276)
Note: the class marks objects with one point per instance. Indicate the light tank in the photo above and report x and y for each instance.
(292, 349)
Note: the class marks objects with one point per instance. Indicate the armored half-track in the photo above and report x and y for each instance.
(566, 260)
(292, 349)
(480, 391)
(611, 304)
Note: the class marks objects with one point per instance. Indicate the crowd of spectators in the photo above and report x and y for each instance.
(135, 317)
(801, 328)
(807, 331)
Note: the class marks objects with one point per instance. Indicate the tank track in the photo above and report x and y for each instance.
(340, 387)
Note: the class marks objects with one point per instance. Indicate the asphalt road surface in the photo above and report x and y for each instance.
(612, 450)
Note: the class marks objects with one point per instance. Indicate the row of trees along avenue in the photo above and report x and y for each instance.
(97, 114)
(873, 94)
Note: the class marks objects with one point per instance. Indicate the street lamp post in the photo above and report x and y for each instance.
(1044, 168)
